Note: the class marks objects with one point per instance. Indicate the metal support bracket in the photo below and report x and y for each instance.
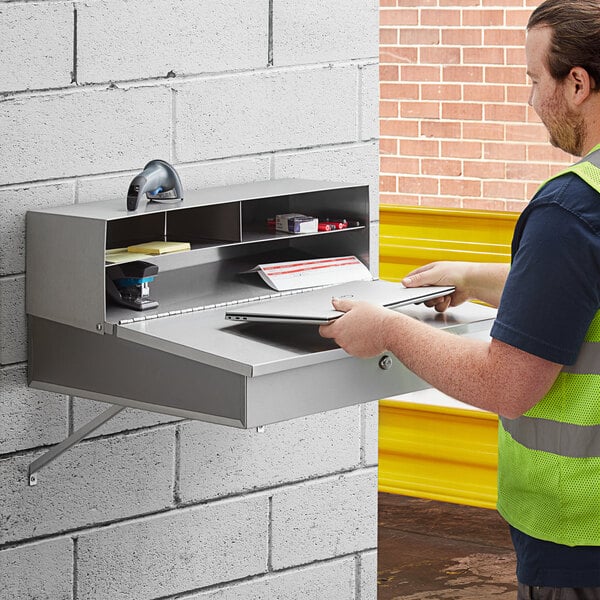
(75, 437)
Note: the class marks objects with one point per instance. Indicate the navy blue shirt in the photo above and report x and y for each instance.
(553, 288)
(551, 295)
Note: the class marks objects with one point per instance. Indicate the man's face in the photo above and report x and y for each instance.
(565, 127)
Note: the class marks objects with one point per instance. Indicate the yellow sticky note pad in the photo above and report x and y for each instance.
(159, 247)
(120, 255)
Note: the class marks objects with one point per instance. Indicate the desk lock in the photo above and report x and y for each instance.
(385, 362)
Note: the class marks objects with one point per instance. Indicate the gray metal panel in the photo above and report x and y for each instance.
(245, 349)
(129, 403)
(337, 243)
(117, 209)
(302, 374)
(323, 387)
(65, 269)
(108, 368)
(262, 189)
(255, 349)
(69, 360)
(213, 223)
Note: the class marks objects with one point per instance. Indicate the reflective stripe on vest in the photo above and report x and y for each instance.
(588, 361)
(592, 157)
(573, 435)
(564, 439)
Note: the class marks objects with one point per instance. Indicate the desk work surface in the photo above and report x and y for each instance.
(254, 349)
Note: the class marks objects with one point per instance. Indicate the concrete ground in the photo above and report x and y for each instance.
(438, 551)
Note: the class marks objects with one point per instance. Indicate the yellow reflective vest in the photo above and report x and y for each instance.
(549, 458)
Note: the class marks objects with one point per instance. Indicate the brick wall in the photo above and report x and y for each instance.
(456, 130)
(151, 507)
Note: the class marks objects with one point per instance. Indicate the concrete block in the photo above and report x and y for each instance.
(324, 518)
(85, 410)
(267, 111)
(43, 571)
(109, 187)
(288, 451)
(367, 575)
(13, 330)
(324, 581)
(175, 552)
(370, 432)
(28, 418)
(93, 482)
(14, 203)
(37, 45)
(83, 132)
(313, 32)
(225, 172)
(188, 37)
(369, 102)
(358, 164)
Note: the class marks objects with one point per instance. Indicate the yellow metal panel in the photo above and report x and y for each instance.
(438, 452)
(462, 225)
(411, 236)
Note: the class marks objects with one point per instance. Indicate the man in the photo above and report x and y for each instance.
(541, 370)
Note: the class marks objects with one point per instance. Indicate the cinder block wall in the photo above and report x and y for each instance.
(456, 130)
(151, 507)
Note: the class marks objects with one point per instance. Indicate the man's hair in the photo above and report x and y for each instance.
(575, 38)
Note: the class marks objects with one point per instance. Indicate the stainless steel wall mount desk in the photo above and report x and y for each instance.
(182, 358)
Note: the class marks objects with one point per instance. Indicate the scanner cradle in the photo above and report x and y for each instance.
(159, 181)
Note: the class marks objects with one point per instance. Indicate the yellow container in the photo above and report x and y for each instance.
(440, 453)
(411, 236)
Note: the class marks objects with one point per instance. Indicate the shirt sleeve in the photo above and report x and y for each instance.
(553, 288)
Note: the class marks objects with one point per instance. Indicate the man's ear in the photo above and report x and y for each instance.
(581, 84)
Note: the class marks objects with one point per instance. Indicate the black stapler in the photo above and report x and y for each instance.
(128, 284)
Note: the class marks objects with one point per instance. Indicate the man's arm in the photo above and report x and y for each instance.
(473, 281)
(492, 375)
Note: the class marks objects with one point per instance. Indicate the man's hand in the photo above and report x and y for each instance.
(361, 331)
(442, 273)
(473, 281)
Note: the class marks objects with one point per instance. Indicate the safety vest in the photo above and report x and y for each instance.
(549, 458)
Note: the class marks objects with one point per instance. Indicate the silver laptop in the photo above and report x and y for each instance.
(314, 306)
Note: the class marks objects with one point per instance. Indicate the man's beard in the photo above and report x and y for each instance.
(566, 128)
